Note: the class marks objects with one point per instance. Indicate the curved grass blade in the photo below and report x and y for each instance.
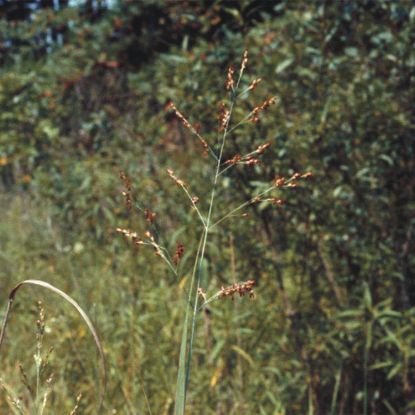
(78, 308)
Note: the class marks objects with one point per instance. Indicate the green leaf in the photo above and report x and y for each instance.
(284, 65)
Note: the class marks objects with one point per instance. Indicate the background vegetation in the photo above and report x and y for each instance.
(83, 91)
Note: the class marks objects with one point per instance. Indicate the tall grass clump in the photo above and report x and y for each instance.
(38, 395)
(38, 388)
(210, 217)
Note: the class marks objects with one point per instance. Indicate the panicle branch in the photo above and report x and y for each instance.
(186, 124)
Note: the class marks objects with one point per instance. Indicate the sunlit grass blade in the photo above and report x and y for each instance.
(78, 308)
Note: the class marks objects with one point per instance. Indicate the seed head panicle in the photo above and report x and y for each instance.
(229, 83)
(292, 181)
(262, 148)
(254, 84)
(189, 126)
(128, 200)
(280, 181)
(241, 288)
(234, 160)
(179, 115)
(244, 62)
(125, 179)
(179, 253)
(223, 116)
(132, 236)
(251, 161)
(256, 111)
(179, 182)
(150, 216)
(205, 146)
(40, 322)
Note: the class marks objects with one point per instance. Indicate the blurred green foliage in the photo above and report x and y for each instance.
(83, 91)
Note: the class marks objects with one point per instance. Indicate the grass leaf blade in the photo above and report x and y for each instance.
(180, 400)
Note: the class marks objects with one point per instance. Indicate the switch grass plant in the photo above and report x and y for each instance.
(210, 218)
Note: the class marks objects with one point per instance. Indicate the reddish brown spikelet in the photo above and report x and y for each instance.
(189, 126)
(223, 116)
(179, 253)
(125, 180)
(255, 112)
(234, 160)
(205, 146)
(307, 175)
(241, 288)
(280, 181)
(179, 182)
(149, 235)
(179, 115)
(132, 236)
(254, 84)
(262, 148)
(251, 161)
(229, 83)
(277, 202)
(127, 192)
(244, 61)
(150, 216)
